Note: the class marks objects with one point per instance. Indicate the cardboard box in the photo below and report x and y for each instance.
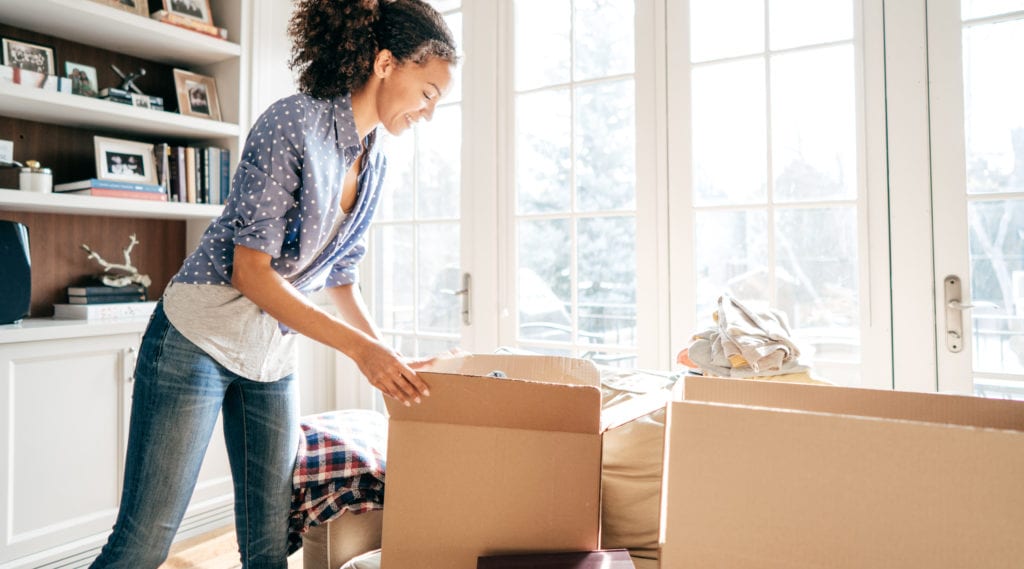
(771, 475)
(488, 466)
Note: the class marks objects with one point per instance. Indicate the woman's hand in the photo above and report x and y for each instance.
(388, 372)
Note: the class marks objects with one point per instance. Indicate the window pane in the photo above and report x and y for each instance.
(814, 136)
(455, 93)
(730, 160)
(432, 346)
(816, 286)
(446, 5)
(395, 287)
(970, 9)
(606, 146)
(731, 255)
(544, 280)
(997, 277)
(993, 109)
(400, 180)
(542, 151)
(794, 23)
(725, 29)
(607, 280)
(439, 275)
(604, 36)
(438, 151)
(542, 38)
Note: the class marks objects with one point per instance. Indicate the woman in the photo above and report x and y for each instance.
(308, 181)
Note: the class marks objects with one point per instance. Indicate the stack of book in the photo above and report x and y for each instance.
(113, 189)
(103, 294)
(134, 99)
(102, 302)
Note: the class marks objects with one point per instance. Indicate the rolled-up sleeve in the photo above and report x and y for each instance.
(265, 184)
(346, 270)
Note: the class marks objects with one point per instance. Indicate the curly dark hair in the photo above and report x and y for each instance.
(335, 42)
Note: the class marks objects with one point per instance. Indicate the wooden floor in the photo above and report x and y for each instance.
(214, 550)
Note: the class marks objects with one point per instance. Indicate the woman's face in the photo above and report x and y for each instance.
(410, 91)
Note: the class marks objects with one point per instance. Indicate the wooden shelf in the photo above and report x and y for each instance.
(65, 109)
(14, 200)
(95, 24)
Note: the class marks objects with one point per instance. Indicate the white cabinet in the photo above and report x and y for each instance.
(66, 405)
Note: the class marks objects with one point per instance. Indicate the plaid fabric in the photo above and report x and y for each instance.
(339, 467)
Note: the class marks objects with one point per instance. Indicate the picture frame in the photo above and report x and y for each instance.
(197, 95)
(198, 10)
(29, 56)
(83, 78)
(138, 7)
(124, 160)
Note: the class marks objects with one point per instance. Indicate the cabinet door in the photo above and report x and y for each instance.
(62, 434)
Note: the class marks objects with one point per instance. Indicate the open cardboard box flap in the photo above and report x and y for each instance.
(885, 404)
(463, 393)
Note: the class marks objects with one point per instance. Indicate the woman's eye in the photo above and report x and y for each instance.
(426, 96)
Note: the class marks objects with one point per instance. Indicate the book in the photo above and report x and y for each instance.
(190, 24)
(606, 559)
(128, 194)
(105, 290)
(112, 311)
(106, 299)
(190, 175)
(109, 185)
(179, 183)
(225, 174)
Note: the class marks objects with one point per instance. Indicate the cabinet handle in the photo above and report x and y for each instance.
(128, 373)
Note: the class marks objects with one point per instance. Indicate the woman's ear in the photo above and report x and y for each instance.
(383, 63)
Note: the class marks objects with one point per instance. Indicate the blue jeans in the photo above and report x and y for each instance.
(179, 391)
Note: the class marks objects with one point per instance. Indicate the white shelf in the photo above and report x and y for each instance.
(14, 200)
(65, 109)
(102, 26)
(33, 329)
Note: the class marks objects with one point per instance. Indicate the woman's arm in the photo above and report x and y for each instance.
(253, 276)
(353, 310)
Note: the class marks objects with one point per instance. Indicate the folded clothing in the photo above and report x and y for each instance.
(339, 468)
(744, 343)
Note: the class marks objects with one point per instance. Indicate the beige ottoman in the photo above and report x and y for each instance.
(331, 545)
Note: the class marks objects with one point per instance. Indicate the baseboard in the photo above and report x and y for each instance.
(193, 525)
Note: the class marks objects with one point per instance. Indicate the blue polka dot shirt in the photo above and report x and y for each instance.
(285, 198)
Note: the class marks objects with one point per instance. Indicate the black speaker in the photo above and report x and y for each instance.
(15, 272)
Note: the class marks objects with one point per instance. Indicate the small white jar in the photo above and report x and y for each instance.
(32, 178)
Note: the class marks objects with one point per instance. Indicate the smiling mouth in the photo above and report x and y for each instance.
(409, 120)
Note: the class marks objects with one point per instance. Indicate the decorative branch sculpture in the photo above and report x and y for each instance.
(124, 274)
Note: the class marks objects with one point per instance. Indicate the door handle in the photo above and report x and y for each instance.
(955, 308)
(956, 305)
(466, 292)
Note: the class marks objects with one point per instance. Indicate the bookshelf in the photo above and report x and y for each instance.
(57, 129)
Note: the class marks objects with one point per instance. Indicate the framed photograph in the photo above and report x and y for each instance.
(197, 95)
(140, 7)
(29, 56)
(124, 160)
(198, 10)
(83, 78)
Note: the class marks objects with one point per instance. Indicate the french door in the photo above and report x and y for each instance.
(976, 52)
